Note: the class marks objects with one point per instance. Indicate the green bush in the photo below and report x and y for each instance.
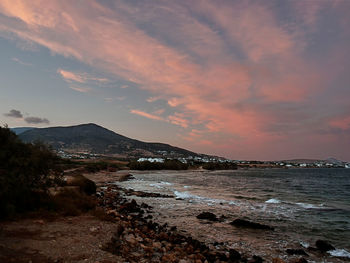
(26, 172)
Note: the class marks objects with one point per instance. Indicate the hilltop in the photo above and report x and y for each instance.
(94, 139)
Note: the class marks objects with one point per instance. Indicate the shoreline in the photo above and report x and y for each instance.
(292, 252)
(126, 227)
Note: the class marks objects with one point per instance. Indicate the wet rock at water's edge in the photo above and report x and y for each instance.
(248, 224)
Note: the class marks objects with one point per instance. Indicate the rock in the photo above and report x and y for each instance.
(130, 238)
(125, 177)
(296, 252)
(248, 224)
(324, 246)
(130, 207)
(207, 215)
(184, 261)
(299, 260)
(256, 259)
(278, 260)
(93, 229)
(39, 221)
(221, 256)
(157, 245)
(234, 255)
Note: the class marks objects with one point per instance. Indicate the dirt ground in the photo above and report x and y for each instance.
(64, 239)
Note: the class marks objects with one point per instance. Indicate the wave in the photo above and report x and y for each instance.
(160, 184)
(209, 201)
(185, 195)
(310, 206)
(300, 204)
(339, 253)
(273, 201)
(304, 244)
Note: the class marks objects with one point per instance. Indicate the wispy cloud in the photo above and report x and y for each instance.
(71, 76)
(81, 89)
(153, 99)
(147, 115)
(178, 119)
(22, 62)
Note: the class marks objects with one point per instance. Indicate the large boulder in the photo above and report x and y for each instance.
(207, 215)
(247, 224)
(324, 246)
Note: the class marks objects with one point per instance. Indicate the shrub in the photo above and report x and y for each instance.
(26, 172)
(96, 166)
(72, 202)
(86, 185)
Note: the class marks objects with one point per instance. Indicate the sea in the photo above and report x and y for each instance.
(303, 205)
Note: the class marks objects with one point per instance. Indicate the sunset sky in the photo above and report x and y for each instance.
(257, 79)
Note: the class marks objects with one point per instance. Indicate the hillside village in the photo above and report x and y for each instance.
(332, 163)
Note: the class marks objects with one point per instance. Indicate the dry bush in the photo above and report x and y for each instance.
(72, 202)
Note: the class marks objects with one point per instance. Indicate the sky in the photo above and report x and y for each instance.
(264, 80)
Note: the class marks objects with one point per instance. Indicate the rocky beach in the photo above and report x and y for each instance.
(129, 226)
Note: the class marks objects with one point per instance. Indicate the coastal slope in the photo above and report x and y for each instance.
(92, 138)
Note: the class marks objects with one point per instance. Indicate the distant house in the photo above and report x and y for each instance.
(152, 160)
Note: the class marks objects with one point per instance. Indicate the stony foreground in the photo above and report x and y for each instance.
(121, 231)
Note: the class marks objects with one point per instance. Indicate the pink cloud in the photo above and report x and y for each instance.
(80, 89)
(71, 76)
(341, 123)
(218, 72)
(147, 115)
(178, 119)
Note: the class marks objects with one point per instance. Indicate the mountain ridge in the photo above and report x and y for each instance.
(93, 138)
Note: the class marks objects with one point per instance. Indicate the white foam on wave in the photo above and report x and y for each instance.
(309, 206)
(304, 244)
(209, 201)
(160, 185)
(273, 201)
(339, 253)
(186, 195)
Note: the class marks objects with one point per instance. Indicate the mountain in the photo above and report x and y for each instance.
(20, 130)
(92, 138)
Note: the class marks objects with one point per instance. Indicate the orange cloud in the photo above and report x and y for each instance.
(178, 119)
(79, 77)
(146, 115)
(71, 76)
(80, 89)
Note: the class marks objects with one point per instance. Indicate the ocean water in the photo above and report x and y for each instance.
(302, 204)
